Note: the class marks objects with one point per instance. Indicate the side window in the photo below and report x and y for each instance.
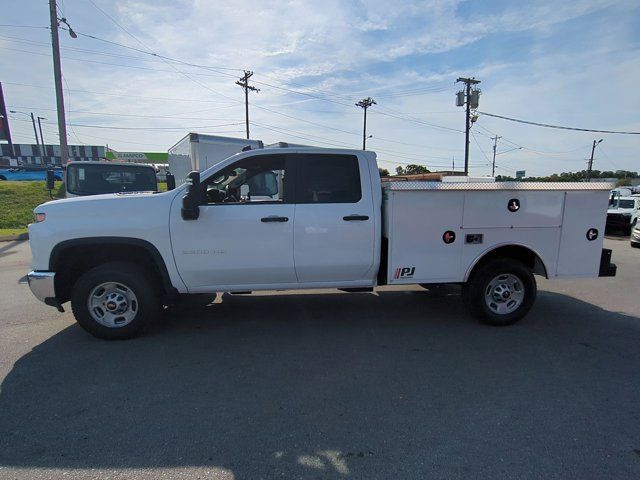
(328, 179)
(255, 179)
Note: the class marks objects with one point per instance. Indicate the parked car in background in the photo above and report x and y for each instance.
(95, 178)
(24, 174)
(635, 236)
(623, 212)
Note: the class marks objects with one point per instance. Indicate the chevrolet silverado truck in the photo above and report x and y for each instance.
(309, 218)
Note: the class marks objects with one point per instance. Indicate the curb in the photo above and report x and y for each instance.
(14, 238)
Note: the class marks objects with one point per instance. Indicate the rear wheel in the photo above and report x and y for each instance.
(115, 301)
(500, 291)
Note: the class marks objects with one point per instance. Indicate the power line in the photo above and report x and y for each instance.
(93, 92)
(558, 126)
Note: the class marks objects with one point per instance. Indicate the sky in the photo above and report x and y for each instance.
(144, 73)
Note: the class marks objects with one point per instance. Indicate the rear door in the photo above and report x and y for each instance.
(334, 233)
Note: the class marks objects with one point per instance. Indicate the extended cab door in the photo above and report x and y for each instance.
(243, 238)
(334, 230)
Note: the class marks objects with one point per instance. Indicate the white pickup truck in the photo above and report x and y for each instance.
(302, 218)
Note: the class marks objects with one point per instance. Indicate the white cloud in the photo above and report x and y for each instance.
(351, 49)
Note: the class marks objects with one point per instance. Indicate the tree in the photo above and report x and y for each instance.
(383, 172)
(399, 170)
(413, 169)
(623, 182)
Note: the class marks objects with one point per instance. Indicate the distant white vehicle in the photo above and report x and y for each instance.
(623, 212)
(197, 152)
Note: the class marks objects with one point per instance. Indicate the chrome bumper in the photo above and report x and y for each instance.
(41, 284)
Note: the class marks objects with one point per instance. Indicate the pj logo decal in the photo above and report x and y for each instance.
(404, 272)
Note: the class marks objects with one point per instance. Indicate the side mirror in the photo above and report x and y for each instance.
(51, 179)
(171, 181)
(191, 201)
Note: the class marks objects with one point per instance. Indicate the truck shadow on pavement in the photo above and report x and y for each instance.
(9, 248)
(399, 385)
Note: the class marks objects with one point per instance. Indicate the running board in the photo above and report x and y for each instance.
(357, 290)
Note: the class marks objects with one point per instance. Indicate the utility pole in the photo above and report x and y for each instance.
(57, 77)
(495, 146)
(44, 151)
(590, 167)
(244, 83)
(364, 104)
(471, 102)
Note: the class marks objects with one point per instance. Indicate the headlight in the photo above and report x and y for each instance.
(626, 215)
(39, 217)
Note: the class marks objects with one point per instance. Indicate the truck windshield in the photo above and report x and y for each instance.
(625, 204)
(94, 179)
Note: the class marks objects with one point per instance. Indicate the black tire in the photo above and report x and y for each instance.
(2, 177)
(474, 292)
(143, 306)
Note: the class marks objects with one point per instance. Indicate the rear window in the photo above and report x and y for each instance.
(97, 179)
(328, 179)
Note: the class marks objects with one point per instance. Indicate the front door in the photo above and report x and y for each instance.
(334, 234)
(243, 237)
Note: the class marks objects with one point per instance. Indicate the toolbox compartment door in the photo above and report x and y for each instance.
(580, 252)
(490, 209)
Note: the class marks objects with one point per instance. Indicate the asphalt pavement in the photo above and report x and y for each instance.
(391, 385)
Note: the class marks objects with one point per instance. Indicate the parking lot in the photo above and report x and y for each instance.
(397, 384)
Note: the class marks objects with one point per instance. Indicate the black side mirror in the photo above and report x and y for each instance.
(51, 179)
(191, 201)
(171, 181)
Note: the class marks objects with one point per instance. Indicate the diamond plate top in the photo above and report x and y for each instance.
(393, 186)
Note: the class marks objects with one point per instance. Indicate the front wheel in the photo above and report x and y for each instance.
(115, 301)
(500, 292)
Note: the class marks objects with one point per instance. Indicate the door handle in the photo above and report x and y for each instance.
(274, 218)
(350, 218)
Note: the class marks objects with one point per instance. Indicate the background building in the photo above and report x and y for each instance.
(31, 155)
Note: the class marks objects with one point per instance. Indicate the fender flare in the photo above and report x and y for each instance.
(57, 251)
(488, 251)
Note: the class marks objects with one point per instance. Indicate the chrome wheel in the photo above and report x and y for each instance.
(112, 304)
(504, 294)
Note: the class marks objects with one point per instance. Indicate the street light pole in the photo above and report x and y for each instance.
(44, 150)
(33, 122)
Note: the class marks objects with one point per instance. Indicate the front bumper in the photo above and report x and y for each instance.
(618, 220)
(43, 287)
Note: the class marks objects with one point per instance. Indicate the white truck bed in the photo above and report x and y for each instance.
(556, 220)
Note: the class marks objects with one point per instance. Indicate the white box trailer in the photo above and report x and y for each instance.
(198, 152)
(437, 231)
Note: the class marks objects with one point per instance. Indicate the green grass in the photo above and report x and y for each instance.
(17, 201)
(12, 231)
